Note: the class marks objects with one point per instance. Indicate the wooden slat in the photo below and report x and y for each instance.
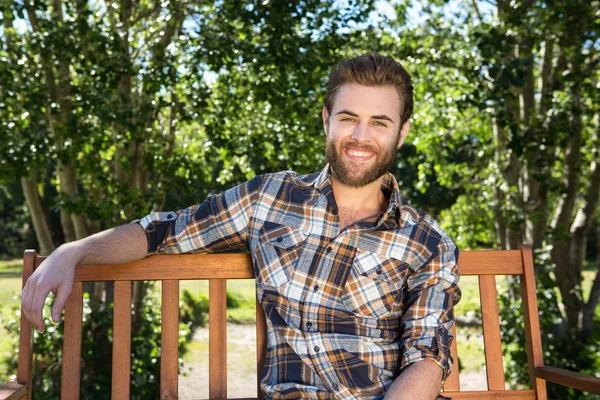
(490, 262)
(13, 390)
(492, 394)
(71, 363)
(491, 332)
(568, 378)
(26, 330)
(169, 340)
(161, 267)
(533, 337)
(453, 381)
(261, 345)
(217, 339)
(239, 266)
(121, 356)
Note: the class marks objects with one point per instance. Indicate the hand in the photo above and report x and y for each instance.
(56, 275)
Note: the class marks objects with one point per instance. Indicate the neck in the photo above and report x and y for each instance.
(367, 198)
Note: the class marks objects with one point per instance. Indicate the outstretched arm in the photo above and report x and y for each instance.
(118, 245)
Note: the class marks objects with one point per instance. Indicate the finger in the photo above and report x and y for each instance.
(62, 294)
(37, 307)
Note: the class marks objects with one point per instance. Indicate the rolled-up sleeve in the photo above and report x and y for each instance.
(220, 223)
(432, 293)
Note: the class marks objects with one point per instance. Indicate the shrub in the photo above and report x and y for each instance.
(96, 368)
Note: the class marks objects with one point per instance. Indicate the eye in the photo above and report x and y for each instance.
(381, 124)
(348, 119)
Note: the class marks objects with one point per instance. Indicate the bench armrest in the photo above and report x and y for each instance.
(575, 380)
(12, 391)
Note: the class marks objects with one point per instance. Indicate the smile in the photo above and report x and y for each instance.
(358, 155)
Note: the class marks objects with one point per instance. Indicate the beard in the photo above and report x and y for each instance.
(351, 175)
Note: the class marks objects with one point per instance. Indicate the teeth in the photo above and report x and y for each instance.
(359, 153)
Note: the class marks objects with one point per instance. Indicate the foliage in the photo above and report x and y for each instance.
(558, 350)
(193, 310)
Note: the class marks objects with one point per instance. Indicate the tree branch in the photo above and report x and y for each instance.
(474, 4)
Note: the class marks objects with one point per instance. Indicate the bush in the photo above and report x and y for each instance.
(193, 310)
(96, 368)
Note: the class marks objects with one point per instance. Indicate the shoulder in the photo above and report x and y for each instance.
(424, 229)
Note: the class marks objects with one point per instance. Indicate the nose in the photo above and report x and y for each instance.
(361, 133)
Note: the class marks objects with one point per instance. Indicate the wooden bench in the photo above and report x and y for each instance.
(217, 268)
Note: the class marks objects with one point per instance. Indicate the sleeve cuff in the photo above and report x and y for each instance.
(157, 226)
(436, 349)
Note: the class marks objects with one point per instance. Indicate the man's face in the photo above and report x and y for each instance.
(363, 133)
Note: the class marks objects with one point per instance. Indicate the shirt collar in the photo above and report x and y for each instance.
(322, 179)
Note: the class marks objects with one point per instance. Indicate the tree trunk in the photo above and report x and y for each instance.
(68, 185)
(40, 225)
(568, 272)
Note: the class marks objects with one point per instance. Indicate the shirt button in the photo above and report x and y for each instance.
(329, 250)
(279, 239)
(317, 349)
(170, 216)
(335, 386)
(334, 212)
(316, 287)
(309, 325)
(379, 271)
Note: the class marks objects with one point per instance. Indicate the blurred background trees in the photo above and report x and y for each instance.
(110, 110)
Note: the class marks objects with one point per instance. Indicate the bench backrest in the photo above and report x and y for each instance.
(217, 268)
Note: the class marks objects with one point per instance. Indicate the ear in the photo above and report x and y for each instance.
(325, 115)
(403, 133)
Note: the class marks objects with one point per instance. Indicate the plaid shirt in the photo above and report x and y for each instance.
(347, 310)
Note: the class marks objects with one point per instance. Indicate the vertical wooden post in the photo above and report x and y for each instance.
(533, 337)
(121, 352)
(71, 364)
(26, 335)
(491, 332)
(453, 381)
(261, 345)
(169, 340)
(217, 339)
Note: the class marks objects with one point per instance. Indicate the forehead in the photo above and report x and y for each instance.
(367, 100)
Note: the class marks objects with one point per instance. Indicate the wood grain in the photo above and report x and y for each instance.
(568, 378)
(453, 381)
(533, 337)
(491, 332)
(217, 339)
(239, 266)
(71, 364)
(261, 345)
(169, 340)
(121, 356)
(492, 394)
(12, 391)
(26, 330)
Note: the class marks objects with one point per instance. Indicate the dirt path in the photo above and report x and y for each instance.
(241, 366)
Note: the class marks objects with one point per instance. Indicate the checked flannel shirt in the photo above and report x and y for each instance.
(347, 310)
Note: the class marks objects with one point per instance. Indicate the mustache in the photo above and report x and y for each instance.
(359, 147)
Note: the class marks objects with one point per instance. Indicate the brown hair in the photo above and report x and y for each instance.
(372, 69)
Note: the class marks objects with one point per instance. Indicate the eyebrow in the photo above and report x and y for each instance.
(382, 116)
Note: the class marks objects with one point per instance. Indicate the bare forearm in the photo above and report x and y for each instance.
(118, 245)
(421, 380)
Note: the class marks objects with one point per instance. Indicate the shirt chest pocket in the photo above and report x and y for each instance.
(375, 285)
(277, 253)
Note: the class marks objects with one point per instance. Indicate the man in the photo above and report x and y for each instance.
(358, 287)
